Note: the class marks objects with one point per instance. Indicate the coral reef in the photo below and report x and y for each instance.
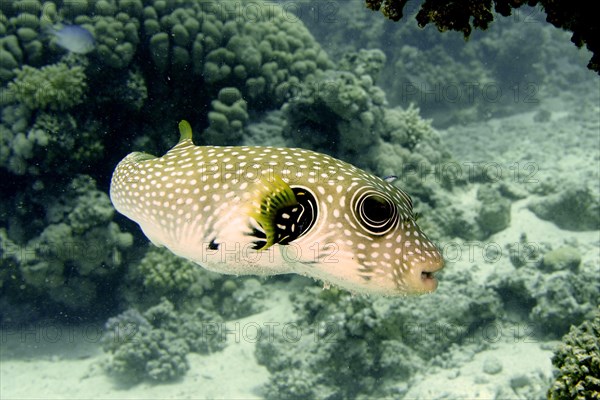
(446, 77)
(551, 290)
(577, 363)
(409, 148)
(56, 87)
(382, 339)
(494, 214)
(204, 64)
(267, 132)
(229, 115)
(260, 79)
(40, 149)
(465, 15)
(196, 50)
(20, 42)
(116, 36)
(575, 207)
(347, 109)
(78, 251)
(261, 54)
(437, 82)
(154, 345)
(343, 107)
(188, 286)
(129, 91)
(564, 258)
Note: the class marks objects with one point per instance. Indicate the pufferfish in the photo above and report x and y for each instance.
(266, 210)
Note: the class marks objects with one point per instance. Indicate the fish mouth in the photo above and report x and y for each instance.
(425, 275)
(428, 281)
(424, 279)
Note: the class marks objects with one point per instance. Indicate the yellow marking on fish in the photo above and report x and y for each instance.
(267, 210)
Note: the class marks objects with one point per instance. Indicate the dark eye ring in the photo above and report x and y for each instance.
(376, 213)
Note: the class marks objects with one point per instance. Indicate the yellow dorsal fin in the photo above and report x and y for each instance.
(185, 131)
(268, 197)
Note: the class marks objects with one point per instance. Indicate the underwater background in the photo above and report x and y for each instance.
(496, 138)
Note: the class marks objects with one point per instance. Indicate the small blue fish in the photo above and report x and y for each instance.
(74, 38)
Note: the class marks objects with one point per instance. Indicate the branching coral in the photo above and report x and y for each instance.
(153, 345)
(189, 286)
(577, 363)
(146, 346)
(42, 148)
(380, 338)
(344, 107)
(79, 247)
(55, 87)
(551, 300)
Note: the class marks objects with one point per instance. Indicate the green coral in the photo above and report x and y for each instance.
(577, 363)
(145, 347)
(19, 39)
(78, 248)
(339, 107)
(125, 93)
(116, 37)
(55, 87)
(226, 121)
(154, 345)
(160, 273)
(261, 54)
(40, 149)
(383, 339)
(10, 56)
(266, 132)
(15, 148)
(565, 258)
(406, 127)
(364, 62)
(189, 286)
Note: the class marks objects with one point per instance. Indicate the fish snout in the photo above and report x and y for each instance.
(421, 277)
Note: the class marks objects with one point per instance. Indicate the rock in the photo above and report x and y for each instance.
(576, 208)
(494, 213)
(518, 381)
(492, 365)
(563, 258)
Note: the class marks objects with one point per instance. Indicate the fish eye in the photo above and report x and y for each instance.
(376, 213)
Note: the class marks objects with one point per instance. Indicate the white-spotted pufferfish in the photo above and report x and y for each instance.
(267, 210)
